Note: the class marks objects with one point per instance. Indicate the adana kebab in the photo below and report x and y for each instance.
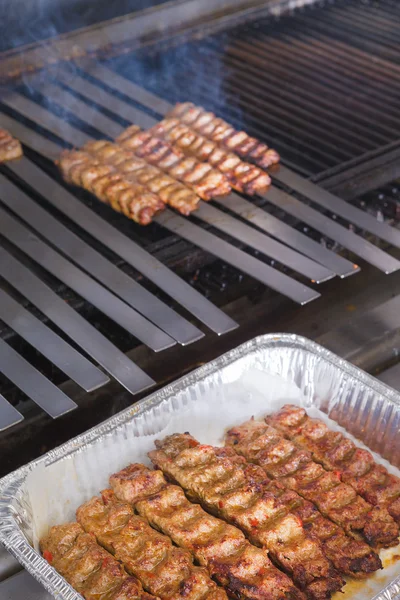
(10, 148)
(163, 569)
(296, 470)
(137, 170)
(338, 453)
(221, 486)
(221, 132)
(349, 556)
(91, 571)
(135, 201)
(244, 570)
(242, 176)
(207, 182)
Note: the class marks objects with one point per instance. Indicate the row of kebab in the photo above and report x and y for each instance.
(284, 511)
(188, 156)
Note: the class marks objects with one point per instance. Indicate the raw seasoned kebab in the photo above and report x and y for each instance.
(91, 571)
(134, 200)
(242, 176)
(225, 134)
(201, 177)
(137, 170)
(10, 148)
(163, 569)
(221, 486)
(244, 570)
(296, 470)
(349, 556)
(338, 453)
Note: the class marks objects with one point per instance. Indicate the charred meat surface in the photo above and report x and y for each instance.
(223, 133)
(349, 556)
(10, 148)
(138, 171)
(336, 452)
(244, 570)
(90, 569)
(294, 468)
(242, 176)
(134, 200)
(163, 569)
(221, 486)
(201, 177)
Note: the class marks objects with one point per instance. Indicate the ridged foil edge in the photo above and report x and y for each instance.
(11, 535)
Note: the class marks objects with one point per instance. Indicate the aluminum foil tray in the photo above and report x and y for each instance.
(253, 379)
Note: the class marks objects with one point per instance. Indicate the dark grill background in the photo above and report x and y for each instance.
(322, 85)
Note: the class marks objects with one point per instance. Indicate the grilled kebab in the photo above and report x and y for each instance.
(163, 569)
(222, 487)
(242, 176)
(338, 453)
(244, 570)
(199, 176)
(223, 133)
(349, 556)
(137, 170)
(134, 200)
(10, 148)
(296, 470)
(91, 571)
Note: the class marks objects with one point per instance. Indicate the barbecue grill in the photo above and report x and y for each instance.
(95, 309)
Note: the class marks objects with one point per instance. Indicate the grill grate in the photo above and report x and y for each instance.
(303, 83)
(321, 85)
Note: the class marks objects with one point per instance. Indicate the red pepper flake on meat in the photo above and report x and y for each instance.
(48, 556)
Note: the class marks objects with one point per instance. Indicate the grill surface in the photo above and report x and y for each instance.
(320, 85)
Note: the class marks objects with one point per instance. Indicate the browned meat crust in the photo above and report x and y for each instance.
(223, 133)
(295, 469)
(221, 487)
(242, 176)
(86, 566)
(137, 170)
(349, 556)
(163, 569)
(135, 201)
(10, 148)
(199, 176)
(244, 570)
(338, 453)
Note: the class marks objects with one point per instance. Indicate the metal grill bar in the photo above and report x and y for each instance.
(234, 202)
(292, 206)
(348, 239)
(246, 263)
(28, 379)
(129, 375)
(84, 285)
(88, 220)
(9, 415)
(262, 272)
(51, 345)
(208, 214)
(96, 265)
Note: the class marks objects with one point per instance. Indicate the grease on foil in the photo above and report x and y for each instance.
(253, 380)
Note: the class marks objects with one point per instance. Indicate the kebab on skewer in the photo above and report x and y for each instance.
(163, 569)
(221, 132)
(295, 469)
(87, 567)
(215, 479)
(244, 570)
(336, 452)
(10, 148)
(201, 177)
